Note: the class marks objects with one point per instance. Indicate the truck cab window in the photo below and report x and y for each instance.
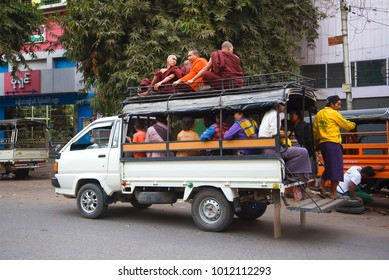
(96, 138)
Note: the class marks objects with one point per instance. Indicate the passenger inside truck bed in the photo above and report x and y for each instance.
(297, 161)
(187, 134)
(158, 132)
(243, 128)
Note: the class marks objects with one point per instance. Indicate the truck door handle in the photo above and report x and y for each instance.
(101, 156)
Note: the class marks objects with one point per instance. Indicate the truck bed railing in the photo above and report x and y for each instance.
(214, 145)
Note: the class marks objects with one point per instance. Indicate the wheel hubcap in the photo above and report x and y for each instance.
(210, 210)
(89, 201)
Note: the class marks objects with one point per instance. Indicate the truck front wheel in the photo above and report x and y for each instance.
(90, 201)
(211, 211)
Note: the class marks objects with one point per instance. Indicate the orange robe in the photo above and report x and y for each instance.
(197, 65)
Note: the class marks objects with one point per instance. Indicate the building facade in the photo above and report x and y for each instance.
(49, 90)
(368, 29)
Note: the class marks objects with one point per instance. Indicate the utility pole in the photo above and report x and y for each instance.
(346, 87)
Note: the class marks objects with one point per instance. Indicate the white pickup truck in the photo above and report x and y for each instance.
(98, 168)
(24, 145)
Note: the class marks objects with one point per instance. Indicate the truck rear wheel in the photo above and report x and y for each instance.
(21, 173)
(251, 210)
(211, 211)
(90, 201)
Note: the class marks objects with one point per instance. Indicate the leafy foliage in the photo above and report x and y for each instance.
(119, 42)
(18, 22)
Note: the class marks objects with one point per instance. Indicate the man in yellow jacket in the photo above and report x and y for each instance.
(326, 129)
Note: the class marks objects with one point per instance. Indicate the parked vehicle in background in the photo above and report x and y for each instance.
(368, 144)
(24, 144)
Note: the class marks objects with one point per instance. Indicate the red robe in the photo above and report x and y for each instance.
(167, 87)
(225, 65)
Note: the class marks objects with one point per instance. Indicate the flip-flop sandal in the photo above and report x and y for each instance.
(322, 195)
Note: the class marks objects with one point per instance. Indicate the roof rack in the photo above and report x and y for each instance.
(253, 82)
(280, 88)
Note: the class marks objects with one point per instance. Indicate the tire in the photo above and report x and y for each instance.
(138, 205)
(251, 210)
(21, 173)
(352, 203)
(90, 201)
(350, 210)
(211, 211)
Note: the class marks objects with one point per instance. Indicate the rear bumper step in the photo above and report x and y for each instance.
(307, 205)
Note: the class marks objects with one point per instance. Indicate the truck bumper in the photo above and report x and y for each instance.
(55, 183)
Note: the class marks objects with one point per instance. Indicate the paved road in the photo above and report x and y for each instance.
(38, 224)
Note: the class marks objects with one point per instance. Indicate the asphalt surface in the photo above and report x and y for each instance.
(38, 224)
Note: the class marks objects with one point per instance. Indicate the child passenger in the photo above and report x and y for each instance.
(139, 136)
(187, 134)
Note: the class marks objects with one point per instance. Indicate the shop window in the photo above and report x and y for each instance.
(59, 119)
(62, 122)
(335, 74)
(371, 73)
(316, 72)
(62, 62)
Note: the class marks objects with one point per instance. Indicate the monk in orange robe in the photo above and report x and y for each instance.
(197, 63)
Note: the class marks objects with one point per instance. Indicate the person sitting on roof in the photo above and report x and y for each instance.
(163, 78)
(144, 87)
(185, 67)
(223, 64)
(197, 63)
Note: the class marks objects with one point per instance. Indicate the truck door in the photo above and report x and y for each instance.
(89, 153)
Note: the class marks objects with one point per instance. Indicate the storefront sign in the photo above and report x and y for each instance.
(25, 82)
(36, 101)
(41, 100)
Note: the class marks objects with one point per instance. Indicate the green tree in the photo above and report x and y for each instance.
(119, 42)
(18, 22)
